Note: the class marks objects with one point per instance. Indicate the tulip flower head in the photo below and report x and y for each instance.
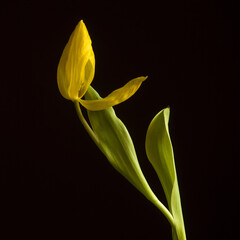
(76, 70)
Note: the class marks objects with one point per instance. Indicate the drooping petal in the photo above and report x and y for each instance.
(114, 98)
(77, 64)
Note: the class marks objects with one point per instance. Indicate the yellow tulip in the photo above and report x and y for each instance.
(76, 70)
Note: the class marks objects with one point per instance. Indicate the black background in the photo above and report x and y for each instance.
(55, 182)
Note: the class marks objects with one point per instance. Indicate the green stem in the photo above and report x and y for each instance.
(85, 123)
(165, 212)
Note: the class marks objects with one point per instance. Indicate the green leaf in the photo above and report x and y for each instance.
(160, 153)
(116, 144)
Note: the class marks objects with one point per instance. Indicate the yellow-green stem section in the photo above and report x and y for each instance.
(85, 123)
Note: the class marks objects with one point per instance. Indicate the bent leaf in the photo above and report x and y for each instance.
(114, 98)
(116, 144)
(160, 153)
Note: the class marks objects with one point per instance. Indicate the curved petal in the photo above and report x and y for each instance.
(62, 80)
(114, 98)
(77, 59)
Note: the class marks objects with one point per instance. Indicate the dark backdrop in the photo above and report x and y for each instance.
(55, 182)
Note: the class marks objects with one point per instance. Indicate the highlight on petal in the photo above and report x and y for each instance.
(77, 64)
(114, 98)
(87, 74)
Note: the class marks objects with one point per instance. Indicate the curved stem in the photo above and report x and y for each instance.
(85, 123)
(165, 212)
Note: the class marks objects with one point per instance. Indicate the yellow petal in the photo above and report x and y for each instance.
(114, 98)
(77, 64)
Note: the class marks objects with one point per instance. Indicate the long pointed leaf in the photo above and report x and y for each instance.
(160, 153)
